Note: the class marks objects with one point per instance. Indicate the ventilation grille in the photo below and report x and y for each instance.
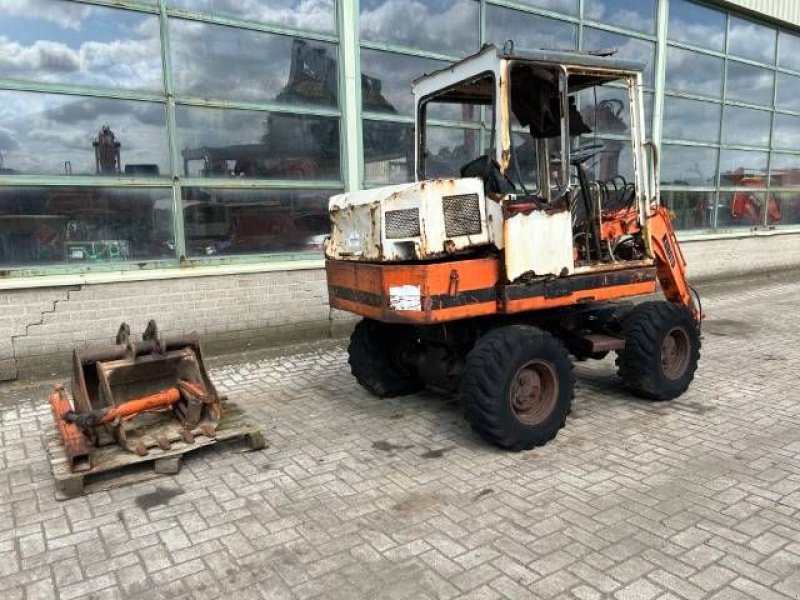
(402, 223)
(462, 215)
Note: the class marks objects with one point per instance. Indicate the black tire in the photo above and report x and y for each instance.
(662, 348)
(374, 359)
(494, 379)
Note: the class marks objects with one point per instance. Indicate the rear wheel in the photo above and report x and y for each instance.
(517, 387)
(662, 348)
(374, 358)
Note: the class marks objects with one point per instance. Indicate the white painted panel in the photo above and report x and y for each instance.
(540, 243)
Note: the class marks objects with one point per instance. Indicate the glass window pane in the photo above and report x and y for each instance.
(84, 226)
(784, 208)
(746, 126)
(48, 134)
(568, 7)
(694, 73)
(217, 62)
(788, 92)
(695, 24)
(319, 15)
(640, 15)
(741, 209)
(691, 120)
(529, 32)
(786, 134)
(747, 83)
(448, 149)
(742, 168)
(224, 222)
(242, 143)
(688, 165)
(386, 80)
(751, 40)
(388, 151)
(788, 51)
(79, 44)
(604, 109)
(785, 170)
(446, 26)
(613, 160)
(627, 47)
(690, 210)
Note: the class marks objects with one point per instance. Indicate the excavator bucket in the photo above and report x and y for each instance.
(143, 394)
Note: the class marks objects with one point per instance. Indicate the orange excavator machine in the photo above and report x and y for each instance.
(533, 222)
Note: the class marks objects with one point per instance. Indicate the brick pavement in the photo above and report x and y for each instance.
(365, 498)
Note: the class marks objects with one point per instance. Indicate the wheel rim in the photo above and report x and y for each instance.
(534, 391)
(675, 350)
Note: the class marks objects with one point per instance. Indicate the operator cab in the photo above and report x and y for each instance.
(544, 131)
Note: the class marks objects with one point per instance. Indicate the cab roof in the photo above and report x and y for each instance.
(554, 57)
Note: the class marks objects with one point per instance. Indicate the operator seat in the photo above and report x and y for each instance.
(486, 168)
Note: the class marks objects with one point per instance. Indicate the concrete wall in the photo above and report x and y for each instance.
(40, 327)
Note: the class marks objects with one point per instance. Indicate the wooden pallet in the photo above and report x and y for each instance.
(113, 466)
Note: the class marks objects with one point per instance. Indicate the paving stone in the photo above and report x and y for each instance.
(359, 497)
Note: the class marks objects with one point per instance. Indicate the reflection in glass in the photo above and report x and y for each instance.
(319, 15)
(788, 51)
(639, 16)
(788, 94)
(751, 40)
(690, 209)
(747, 83)
(84, 226)
(68, 42)
(217, 62)
(445, 26)
(784, 170)
(746, 126)
(691, 120)
(688, 165)
(627, 47)
(241, 143)
(745, 208)
(739, 168)
(788, 208)
(224, 222)
(448, 149)
(697, 25)
(605, 109)
(568, 7)
(613, 161)
(694, 73)
(388, 151)
(786, 134)
(531, 32)
(48, 134)
(386, 80)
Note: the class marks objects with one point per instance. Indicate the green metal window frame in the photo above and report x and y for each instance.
(345, 112)
(347, 39)
(718, 189)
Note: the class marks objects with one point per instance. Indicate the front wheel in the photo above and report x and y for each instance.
(374, 357)
(517, 387)
(662, 348)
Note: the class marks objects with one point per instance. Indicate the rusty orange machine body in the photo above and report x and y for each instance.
(461, 288)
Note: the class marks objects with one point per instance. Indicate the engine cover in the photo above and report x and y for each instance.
(413, 221)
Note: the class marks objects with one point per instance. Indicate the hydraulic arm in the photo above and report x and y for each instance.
(670, 263)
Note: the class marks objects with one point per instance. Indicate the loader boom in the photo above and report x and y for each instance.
(670, 262)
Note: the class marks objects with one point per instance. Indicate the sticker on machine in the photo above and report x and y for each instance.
(405, 297)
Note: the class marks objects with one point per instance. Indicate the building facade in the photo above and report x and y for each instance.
(173, 158)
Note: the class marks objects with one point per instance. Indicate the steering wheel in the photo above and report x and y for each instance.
(584, 152)
(613, 105)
